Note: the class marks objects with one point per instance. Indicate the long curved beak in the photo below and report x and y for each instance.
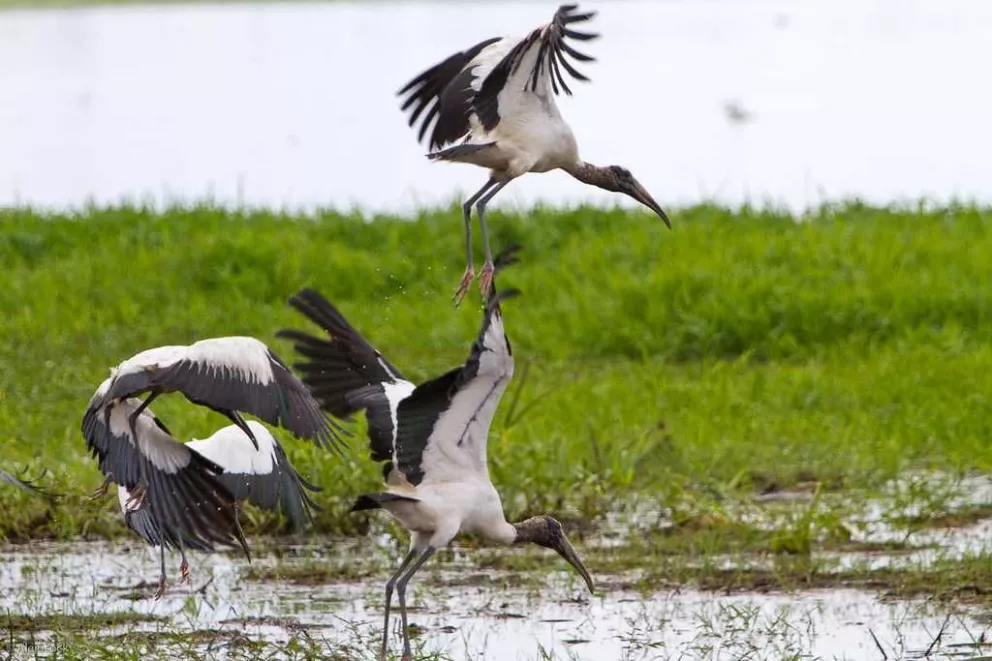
(566, 551)
(639, 193)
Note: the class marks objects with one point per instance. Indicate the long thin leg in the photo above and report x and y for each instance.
(134, 416)
(467, 214)
(161, 576)
(486, 278)
(407, 559)
(184, 575)
(102, 491)
(401, 593)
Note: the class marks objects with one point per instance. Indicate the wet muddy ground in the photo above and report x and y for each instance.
(322, 597)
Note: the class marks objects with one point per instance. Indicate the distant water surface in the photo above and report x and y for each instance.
(294, 104)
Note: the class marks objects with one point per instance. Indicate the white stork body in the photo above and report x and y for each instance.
(532, 135)
(494, 106)
(432, 437)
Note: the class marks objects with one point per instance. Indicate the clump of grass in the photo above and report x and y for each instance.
(72, 622)
(742, 352)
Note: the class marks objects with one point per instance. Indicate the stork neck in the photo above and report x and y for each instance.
(502, 533)
(594, 175)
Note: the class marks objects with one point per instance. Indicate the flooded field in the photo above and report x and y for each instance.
(323, 597)
(266, 104)
(461, 611)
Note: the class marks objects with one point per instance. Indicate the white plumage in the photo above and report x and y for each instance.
(493, 105)
(432, 438)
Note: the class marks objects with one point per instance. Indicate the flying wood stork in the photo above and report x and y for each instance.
(432, 438)
(228, 375)
(264, 477)
(495, 108)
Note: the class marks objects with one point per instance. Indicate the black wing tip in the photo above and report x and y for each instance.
(29, 485)
(507, 257)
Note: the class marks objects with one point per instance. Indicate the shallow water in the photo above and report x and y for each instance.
(294, 104)
(469, 613)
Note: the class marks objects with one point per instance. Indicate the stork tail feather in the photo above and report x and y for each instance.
(458, 152)
(374, 501)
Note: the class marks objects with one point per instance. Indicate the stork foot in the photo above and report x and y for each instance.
(102, 490)
(184, 573)
(464, 285)
(136, 499)
(486, 279)
(161, 588)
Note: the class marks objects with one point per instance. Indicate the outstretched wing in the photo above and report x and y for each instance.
(443, 426)
(180, 487)
(346, 373)
(534, 64)
(264, 477)
(230, 373)
(445, 92)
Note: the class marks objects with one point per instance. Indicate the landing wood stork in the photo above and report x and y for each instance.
(264, 477)
(494, 107)
(228, 375)
(432, 438)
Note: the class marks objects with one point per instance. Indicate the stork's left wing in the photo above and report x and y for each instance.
(443, 426)
(346, 373)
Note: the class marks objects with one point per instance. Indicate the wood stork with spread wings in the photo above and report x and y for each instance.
(228, 375)
(432, 438)
(494, 107)
(264, 477)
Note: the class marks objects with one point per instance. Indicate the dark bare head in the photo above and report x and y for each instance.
(547, 532)
(618, 179)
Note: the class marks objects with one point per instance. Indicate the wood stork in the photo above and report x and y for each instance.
(227, 375)
(432, 438)
(264, 477)
(495, 108)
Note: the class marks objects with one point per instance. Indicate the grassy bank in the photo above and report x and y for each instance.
(737, 353)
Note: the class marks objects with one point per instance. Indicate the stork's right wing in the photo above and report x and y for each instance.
(444, 425)
(445, 91)
(181, 489)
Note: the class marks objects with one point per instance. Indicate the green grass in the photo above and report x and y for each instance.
(738, 353)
